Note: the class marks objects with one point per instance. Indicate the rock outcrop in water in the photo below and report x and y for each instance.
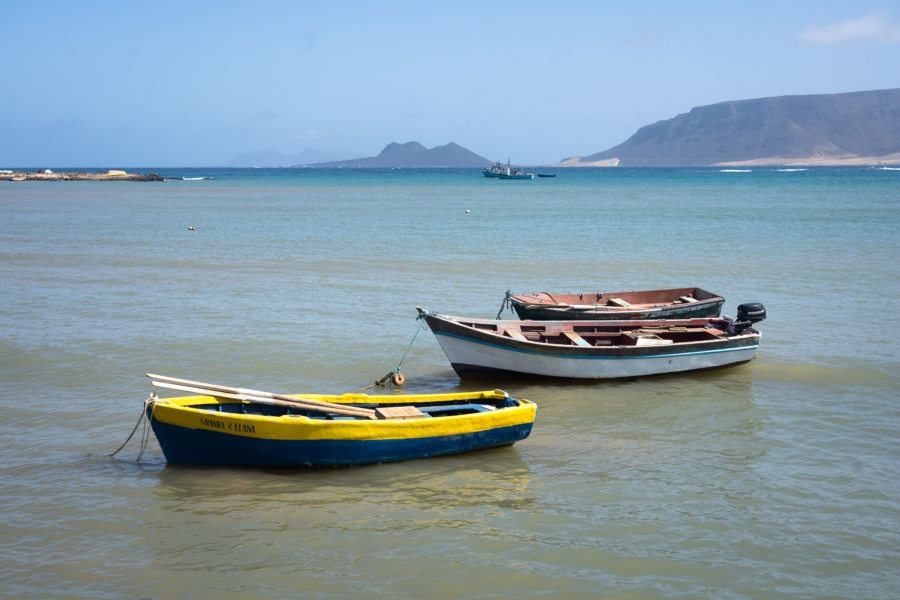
(858, 128)
(107, 176)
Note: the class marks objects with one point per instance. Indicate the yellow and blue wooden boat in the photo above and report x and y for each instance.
(217, 430)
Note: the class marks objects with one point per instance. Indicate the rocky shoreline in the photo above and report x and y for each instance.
(108, 176)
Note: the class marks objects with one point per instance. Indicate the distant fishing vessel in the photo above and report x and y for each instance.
(494, 170)
(516, 174)
(501, 172)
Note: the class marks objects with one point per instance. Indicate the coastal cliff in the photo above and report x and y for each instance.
(858, 128)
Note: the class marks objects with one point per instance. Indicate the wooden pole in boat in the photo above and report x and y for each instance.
(258, 396)
(352, 411)
(339, 409)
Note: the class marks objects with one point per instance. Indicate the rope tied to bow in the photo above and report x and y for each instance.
(145, 434)
(394, 375)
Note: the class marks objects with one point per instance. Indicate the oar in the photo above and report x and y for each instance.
(257, 393)
(258, 396)
(352, 411)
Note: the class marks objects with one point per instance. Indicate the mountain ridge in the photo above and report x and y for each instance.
(819, 129)
(412, 155)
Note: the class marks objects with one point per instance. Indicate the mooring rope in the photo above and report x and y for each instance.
(394, 374)
(507, 303)
(420, 327)
(145, 434)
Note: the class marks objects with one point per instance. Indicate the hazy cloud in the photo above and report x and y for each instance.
(647, 37)
(874, 27)
(266, 114)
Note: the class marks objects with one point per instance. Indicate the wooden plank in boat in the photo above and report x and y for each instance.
(575, 338)
(398, 412)
(643, 337)
(687, 299)
(651, 341)
(619, 302)
(514, 334)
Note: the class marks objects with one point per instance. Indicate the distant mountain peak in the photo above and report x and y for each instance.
(407, 149)
(414, 154)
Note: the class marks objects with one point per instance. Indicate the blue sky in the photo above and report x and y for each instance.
(123, 84)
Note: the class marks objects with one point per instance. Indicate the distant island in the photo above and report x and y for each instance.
(857, 128)
(113, 175)
(412, 155)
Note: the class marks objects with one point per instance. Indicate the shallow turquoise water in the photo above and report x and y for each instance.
(776, 479)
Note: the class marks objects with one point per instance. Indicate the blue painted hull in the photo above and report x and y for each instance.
(198, 446)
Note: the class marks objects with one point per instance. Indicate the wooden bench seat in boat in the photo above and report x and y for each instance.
(619, 302)
(514, 334)
(647, 338)
(575, 338)
(683, 334)
(398, 412)
(455, 408)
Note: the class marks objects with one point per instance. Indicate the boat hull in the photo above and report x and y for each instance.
(710, 308)
(652, 304)
(196, 430)
(475, 353)
(470, 359)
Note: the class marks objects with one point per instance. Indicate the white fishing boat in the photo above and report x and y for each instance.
(596, 349)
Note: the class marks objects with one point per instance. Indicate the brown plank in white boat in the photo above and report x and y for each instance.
(515, 334)
(575, 338)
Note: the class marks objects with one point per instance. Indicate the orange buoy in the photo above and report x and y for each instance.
(398, 378)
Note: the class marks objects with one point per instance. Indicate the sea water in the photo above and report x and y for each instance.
(773, 479)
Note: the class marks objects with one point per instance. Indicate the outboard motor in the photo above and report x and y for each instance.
(748, 314)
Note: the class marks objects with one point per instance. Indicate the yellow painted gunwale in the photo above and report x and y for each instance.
(178, 412)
